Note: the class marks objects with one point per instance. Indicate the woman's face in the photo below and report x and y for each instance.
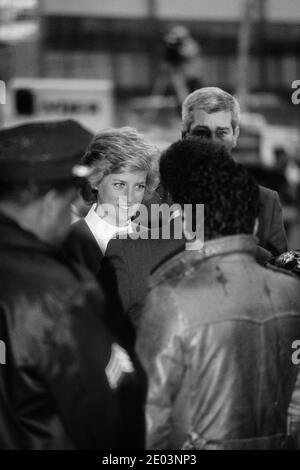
(120, 195)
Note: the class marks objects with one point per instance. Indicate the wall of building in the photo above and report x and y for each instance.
(122, 40)
(204, 10)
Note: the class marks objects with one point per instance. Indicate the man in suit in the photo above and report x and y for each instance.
(215, 114)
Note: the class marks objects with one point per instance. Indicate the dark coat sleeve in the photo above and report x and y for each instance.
(81, 247)
(271, 232)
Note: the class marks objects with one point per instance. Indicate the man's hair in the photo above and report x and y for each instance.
(210, 100)
(120, 150)
(198, 171)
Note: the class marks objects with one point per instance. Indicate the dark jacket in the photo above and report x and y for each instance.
(215, 339)
(64, 384)
(271, 233)
(125, 268)
(81, 247)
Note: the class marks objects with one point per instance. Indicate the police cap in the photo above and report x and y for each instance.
(47, 151)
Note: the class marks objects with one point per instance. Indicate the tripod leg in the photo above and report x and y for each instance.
(179, 84)
(159, 89)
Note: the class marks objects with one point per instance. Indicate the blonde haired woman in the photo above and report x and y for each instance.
(123, 173)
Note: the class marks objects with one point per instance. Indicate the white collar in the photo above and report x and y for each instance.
(102, 230)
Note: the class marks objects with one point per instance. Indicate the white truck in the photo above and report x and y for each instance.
(91, 102)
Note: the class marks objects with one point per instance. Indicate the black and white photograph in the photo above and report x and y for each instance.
(149, 229)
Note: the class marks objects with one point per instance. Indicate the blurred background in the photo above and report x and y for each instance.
(131, 62)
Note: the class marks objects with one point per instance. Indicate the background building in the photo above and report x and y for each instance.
(122, 40)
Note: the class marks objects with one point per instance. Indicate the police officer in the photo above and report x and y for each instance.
(66, 383)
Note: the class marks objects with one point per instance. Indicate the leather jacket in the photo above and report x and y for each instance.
(216, 338)
(66, 383)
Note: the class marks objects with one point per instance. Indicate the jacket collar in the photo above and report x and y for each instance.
(187, 259)
(229, 244)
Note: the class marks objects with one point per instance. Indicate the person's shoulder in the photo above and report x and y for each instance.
(153, 250)
(129, 242)
(132, 246)
(170, 271)
(54, 277)
(79, 229)
(72, 286)
(283, 276)
(81, 247)
(68, 271)
(81, 237)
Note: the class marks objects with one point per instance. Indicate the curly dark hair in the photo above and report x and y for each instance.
(199, 171)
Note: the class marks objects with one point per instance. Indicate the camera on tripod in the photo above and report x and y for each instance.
(174, 43)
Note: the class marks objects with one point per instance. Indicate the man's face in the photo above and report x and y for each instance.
(216, 126)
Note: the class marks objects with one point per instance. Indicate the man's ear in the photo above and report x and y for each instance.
(236, 133)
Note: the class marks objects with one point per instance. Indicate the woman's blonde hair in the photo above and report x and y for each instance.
(117, 150)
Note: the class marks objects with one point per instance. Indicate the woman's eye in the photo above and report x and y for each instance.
(140, 187)
(119, 185)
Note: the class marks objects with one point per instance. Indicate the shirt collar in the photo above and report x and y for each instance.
(102, 230)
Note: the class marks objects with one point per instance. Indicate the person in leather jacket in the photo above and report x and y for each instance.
(217, 330)
(65, 382)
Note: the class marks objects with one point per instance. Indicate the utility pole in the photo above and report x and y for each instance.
(154, 27)
(244, 44)
(262, 41)
(40, 17)
(2, 101)
(4, 56)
